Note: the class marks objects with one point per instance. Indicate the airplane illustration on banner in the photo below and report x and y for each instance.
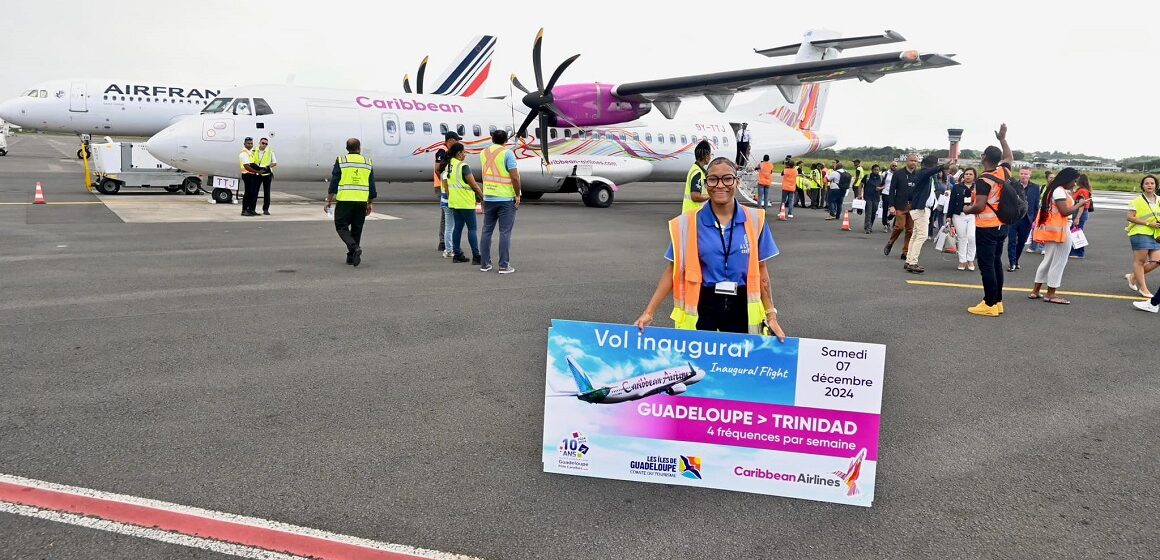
(584, 137)
(851, 474)
(673, 381)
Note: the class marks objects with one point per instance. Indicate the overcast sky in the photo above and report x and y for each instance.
(1079, 79)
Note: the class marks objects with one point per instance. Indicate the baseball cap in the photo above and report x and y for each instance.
(451, 135)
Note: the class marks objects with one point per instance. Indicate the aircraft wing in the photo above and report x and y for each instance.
(720, 86)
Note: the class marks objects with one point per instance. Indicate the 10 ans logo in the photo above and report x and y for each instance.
(572, 453)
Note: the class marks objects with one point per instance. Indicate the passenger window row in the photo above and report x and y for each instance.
(476, 130)
(154, 99)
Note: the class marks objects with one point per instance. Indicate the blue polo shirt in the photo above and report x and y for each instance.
(712, 248)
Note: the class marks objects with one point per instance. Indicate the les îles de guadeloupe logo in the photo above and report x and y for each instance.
(691, 467)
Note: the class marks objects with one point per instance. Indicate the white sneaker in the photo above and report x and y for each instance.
(506, 269)
(485, 268)
(1131, 282)
(1146, 306)
(448, 254)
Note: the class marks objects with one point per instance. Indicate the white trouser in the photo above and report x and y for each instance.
(965, 236)
(1050, 271)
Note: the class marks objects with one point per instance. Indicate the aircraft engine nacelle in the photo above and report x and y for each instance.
(595, 105)
(677, 389)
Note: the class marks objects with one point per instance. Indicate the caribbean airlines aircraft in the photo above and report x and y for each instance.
(144, 107)
(673, 381)
(589, 137)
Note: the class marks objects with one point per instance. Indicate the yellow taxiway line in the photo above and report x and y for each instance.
(1028, 290)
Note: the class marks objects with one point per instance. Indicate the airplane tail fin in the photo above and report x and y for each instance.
(468, 72)
(582, 382)
(809, 100)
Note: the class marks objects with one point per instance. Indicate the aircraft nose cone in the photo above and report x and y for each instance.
(9, 110)
(168, 145)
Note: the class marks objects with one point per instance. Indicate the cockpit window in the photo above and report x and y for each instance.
(261, 107)
(241, 106)
(43, 94)
(29, 93)
(217, 105)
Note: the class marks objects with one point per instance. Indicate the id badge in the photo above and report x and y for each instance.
(725, 288)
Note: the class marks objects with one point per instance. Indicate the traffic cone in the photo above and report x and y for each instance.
(846, 221)
(39, 198)
(781, 214)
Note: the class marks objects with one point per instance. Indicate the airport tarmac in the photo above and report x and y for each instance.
(239, 366)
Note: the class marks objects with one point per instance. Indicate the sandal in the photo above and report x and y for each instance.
(1034, 296)
(1057, 299)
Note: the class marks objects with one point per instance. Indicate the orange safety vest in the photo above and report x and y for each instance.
(987, 218)
(765, 174)
(789, 180)
(1055, 229)
(687, 269)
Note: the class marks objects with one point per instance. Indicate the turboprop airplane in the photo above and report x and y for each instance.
(145, 107)
(673, 381)
(590, 137)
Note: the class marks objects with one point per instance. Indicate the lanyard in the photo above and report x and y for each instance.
(726, 246)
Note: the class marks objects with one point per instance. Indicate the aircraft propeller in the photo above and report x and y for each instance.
(418, 78)
(540, 101)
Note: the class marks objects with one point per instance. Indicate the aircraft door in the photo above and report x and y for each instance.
(78, 99)
(329, 129)
(390, 129)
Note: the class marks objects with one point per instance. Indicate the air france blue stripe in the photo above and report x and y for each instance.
(483, 48)
(478, 65)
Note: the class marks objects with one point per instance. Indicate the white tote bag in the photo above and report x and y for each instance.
(944, 241)
(1078, 239)
(858, 204)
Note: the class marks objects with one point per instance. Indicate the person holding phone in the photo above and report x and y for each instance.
(717, 268)
(1053, 230)
(1143, 229)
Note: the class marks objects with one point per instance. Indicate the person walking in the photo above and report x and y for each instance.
(450, 137)
(352, 192)
(266, 162)
(1053, 230)
(1143, 229)
(901, 187)
(501, 198)
(764, 181)
(942, 187)
(872, 194)
(1083, 189)
(859, 179)
(249, 178)
(990, 232)
(695, 194)
(922, 201)
(789, 185)
(964, 224)
(803, 185)
(1020, 231)
(834, 192)
(887, 198)
(462, 194)
(717, 269)
(743, 140)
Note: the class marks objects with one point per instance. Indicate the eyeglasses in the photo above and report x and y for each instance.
(726, 180)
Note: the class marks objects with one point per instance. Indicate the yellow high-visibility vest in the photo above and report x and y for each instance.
(497, 180)
(262, 159)
(460, 195)
(354, 185)
(694, 171)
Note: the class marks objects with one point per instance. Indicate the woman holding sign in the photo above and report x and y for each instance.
(717, 264)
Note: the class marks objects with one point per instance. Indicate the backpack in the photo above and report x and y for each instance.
(844, 181)
(1012, 201)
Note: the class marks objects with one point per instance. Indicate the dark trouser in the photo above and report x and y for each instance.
(465, 217)
(989, 249)
(716, 312)
(348, 221)
(833, 205)
(871, 208)
(800, 198)
(1016, 238)
(1156, 298)
(787, 198)
(886, 217)
(250, 194)
(265, 181)
(902, 222)
(937, 219)
(503, 213)
(742, 154)
(442, 223)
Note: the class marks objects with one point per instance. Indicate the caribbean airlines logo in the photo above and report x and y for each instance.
(690, 467)
(407, 105)
(850, 475)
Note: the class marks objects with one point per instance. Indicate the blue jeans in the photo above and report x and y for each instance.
(504, 213)
(834, 202)
(762, 196)
(788, 198)
(1080, 252)
(465, 216)
(448, 225)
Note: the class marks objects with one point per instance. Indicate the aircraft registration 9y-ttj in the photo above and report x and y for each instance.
(588, 137)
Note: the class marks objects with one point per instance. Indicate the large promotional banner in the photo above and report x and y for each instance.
(737, 412)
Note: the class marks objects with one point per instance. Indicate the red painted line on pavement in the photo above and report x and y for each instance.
(193, 525)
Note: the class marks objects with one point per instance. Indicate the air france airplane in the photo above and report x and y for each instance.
(673, 381)
(588, 138)
(144, 107)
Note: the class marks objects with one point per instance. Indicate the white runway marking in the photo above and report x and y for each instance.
(158, 207)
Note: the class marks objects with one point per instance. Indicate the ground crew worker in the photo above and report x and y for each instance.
(249, 178)
(266, 162)
(450, 137)
(990, 232)
(743, 140)
(717, 269)
(859, 177)
(817, 178)
(764, 181)
(501, 198)
(803, 185)
(462, 194)
(695, 193)
(352, 185)
(789, 182)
